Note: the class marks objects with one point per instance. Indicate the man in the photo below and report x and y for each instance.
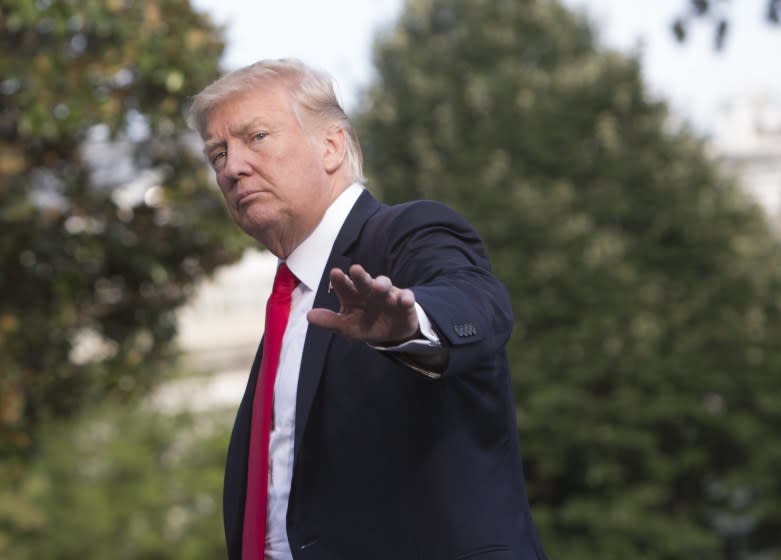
(391, 433)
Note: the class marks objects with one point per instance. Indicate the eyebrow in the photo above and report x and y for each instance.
(210, 145)
(242, 130)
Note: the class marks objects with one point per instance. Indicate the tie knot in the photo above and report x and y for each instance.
(284, 281)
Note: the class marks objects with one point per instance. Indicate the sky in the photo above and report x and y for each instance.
(696, 80)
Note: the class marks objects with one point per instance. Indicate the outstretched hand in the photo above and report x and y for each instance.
(372, 310)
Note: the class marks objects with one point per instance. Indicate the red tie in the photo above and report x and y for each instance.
(277, 311)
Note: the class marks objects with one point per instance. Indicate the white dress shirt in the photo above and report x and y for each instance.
(307, 262)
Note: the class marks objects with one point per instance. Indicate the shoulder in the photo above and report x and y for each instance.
(400, 218)
(423, 233)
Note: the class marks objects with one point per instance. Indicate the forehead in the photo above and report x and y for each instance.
(270, 104)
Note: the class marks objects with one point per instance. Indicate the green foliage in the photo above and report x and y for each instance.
(648, 289)
(125, 484)
(107, 212)
(108, 218)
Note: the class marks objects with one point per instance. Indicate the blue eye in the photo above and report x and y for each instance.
(259, 135)
(218, 156)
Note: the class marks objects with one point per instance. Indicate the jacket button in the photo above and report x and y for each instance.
(465, 329)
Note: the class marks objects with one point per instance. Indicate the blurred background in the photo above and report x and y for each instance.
(622, 161)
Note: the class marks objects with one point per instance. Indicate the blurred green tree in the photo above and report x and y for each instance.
(127, 483)
(107, 214)
(647, 286)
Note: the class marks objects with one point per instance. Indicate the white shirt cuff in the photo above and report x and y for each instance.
(426, 346)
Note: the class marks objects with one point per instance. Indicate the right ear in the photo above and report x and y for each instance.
(334, 147)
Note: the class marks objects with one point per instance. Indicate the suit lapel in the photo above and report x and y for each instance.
(318, 340)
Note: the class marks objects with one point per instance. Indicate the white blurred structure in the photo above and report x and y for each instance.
(747, 138)
(221, 327)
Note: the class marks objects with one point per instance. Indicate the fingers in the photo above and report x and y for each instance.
(367, 285)
(379, 291)
(359, 289)
(406, 298)
(343, 285)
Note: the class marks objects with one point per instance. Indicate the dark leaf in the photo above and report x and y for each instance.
(721, 34)
(679, 30)
(700, 7)
(774, 11)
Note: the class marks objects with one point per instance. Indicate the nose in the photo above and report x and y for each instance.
(237, 162)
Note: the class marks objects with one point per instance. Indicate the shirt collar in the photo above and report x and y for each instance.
(308, 260)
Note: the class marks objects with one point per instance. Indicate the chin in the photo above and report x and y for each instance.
(257, 229)
(255, 216)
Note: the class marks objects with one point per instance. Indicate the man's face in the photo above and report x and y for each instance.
(270, 170)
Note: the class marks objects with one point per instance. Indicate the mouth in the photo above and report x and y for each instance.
(245, 197)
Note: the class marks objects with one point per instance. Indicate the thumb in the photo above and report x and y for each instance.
(325, 318)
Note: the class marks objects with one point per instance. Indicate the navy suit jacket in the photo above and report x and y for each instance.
(389, 463)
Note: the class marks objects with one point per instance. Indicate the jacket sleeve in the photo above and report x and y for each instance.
(436, 253)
